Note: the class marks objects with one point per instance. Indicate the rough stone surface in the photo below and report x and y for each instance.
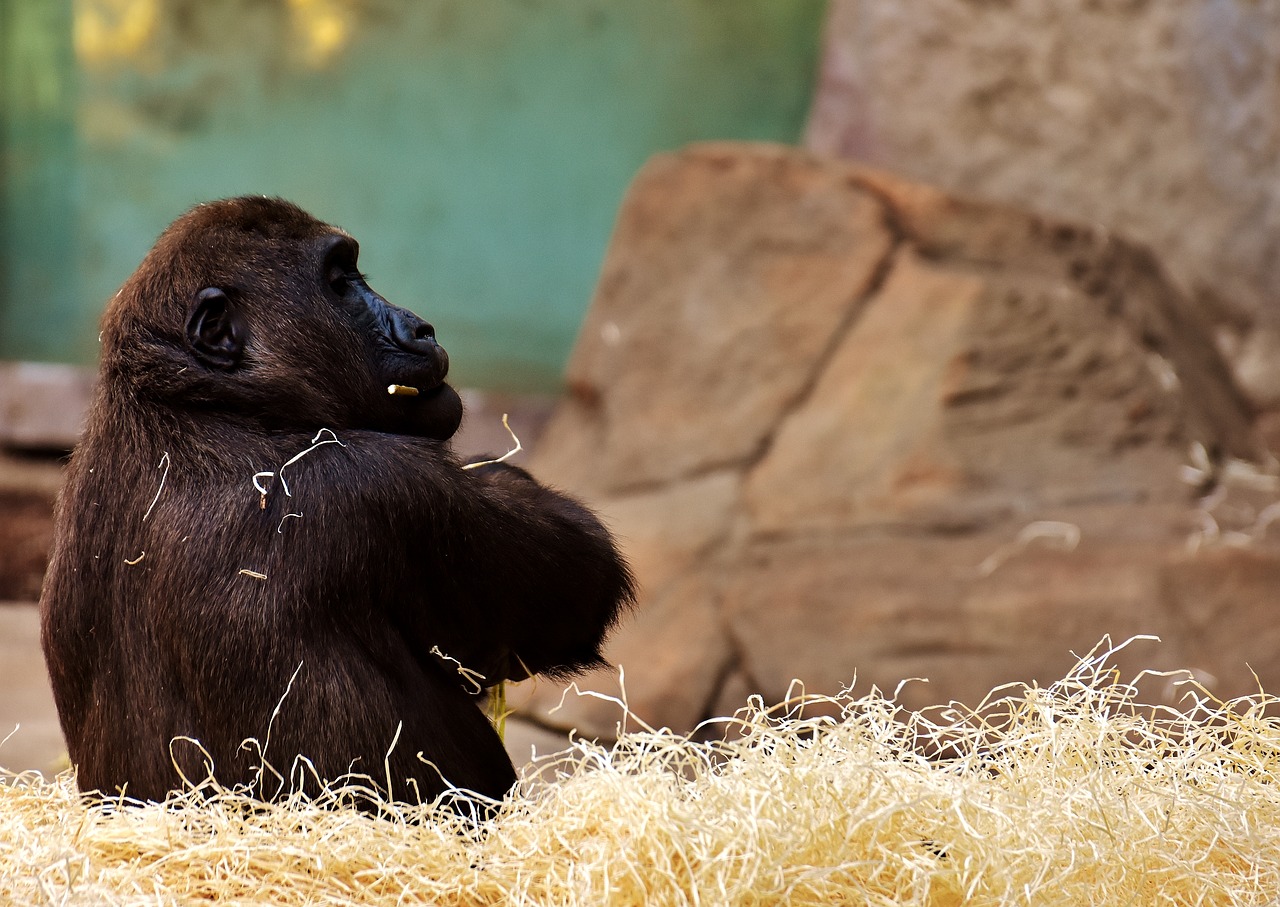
(886, 610)
(852, 439)
(1221, 599)
(1160, 120)
(772, 223)
(969, 460)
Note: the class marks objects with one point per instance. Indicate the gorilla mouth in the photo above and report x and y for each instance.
(419, 379)
(422, 389)
(426, 409)
(414, 385)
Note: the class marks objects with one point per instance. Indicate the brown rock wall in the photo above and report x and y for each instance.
(896, 434)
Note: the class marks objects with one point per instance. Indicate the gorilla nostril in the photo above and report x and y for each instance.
(411, 333)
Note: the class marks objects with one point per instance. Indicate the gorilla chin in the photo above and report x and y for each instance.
(434, 414)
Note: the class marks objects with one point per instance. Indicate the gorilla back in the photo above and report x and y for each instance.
(257, 540)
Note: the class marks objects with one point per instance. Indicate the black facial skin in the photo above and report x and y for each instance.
(405, 349)
(182, 600)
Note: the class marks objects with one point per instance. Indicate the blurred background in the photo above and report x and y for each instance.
(975, 361)
(478, 151)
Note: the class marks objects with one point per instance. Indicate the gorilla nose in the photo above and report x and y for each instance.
(412, 334)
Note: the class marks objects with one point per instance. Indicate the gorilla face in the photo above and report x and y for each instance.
(403, 352)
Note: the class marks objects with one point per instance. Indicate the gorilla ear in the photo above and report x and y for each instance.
(214, 329)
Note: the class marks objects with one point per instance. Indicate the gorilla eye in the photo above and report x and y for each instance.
(339, 280)
(340, 264)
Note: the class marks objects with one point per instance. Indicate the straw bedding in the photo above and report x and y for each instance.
(1077, 793)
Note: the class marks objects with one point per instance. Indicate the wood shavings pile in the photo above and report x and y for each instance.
(1072, 794)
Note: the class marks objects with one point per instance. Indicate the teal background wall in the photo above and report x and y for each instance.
(478, 149)
(43, 313)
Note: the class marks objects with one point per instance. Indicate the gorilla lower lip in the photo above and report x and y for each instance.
(402, 390)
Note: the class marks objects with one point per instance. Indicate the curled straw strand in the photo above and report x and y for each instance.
(279, 473)
(506, 456)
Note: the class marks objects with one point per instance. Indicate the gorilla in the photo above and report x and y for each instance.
(265, 534)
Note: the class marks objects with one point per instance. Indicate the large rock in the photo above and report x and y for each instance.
(1156, 119)
(851, 427)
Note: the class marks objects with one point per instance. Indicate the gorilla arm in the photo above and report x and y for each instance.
(519, 578)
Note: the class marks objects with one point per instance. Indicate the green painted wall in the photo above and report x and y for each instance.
(42, 311)
(478, 149)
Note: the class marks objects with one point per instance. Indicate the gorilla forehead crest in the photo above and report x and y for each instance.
(235, 235)
(188, 607)
(262, 217)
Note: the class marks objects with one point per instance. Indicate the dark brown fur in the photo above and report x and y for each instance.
(155, 626)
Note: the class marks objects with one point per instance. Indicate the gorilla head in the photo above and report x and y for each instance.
(246, 303)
